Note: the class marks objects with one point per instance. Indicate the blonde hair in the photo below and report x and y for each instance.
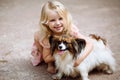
(61, 10)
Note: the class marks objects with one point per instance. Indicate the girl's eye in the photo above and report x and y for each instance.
(61, 18)
(52, 20)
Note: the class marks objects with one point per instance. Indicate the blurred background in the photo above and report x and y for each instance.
(19, 19)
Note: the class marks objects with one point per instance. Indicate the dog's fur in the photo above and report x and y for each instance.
(66, 50)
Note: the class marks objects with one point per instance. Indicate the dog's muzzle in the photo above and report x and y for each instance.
(62, 47)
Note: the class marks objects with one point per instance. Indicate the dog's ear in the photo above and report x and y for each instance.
(78, 45)
(74, 48)
(52, 44)
(50, 39)
(81, 44)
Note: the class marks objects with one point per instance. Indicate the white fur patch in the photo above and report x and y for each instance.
(62, 46)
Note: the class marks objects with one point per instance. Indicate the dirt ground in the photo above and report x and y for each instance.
(19, 20)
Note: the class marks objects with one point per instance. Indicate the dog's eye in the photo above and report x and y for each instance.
(59, 42)
(65, 42)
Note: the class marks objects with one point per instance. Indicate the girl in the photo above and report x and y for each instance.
(55, 20)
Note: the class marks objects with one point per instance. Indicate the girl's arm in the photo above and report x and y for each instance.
(88, 49)
(47, 56)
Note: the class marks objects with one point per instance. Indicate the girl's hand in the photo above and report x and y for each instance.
(76, 63)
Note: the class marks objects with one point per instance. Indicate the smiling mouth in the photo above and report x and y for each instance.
(58, 28)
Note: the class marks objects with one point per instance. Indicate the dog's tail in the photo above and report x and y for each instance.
(96, 37)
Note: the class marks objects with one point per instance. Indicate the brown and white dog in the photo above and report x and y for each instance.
(66, 50)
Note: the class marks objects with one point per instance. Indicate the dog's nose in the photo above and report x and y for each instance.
(59, 47)
(62, 46)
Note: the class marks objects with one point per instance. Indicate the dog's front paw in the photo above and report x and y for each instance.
(108, 71)
(57, 76)
(85, 79)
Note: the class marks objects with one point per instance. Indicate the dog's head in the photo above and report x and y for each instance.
(66, 42)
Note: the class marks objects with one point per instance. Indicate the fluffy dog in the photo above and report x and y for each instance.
(66, 50)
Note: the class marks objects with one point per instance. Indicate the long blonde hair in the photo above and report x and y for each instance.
(61, 10)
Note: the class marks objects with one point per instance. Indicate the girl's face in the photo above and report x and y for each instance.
(55, 22)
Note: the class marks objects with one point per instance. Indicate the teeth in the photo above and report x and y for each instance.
(57, 27)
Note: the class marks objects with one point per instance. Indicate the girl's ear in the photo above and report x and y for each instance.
(52, 44)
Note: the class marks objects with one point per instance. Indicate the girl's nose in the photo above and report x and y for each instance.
(57, 22)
